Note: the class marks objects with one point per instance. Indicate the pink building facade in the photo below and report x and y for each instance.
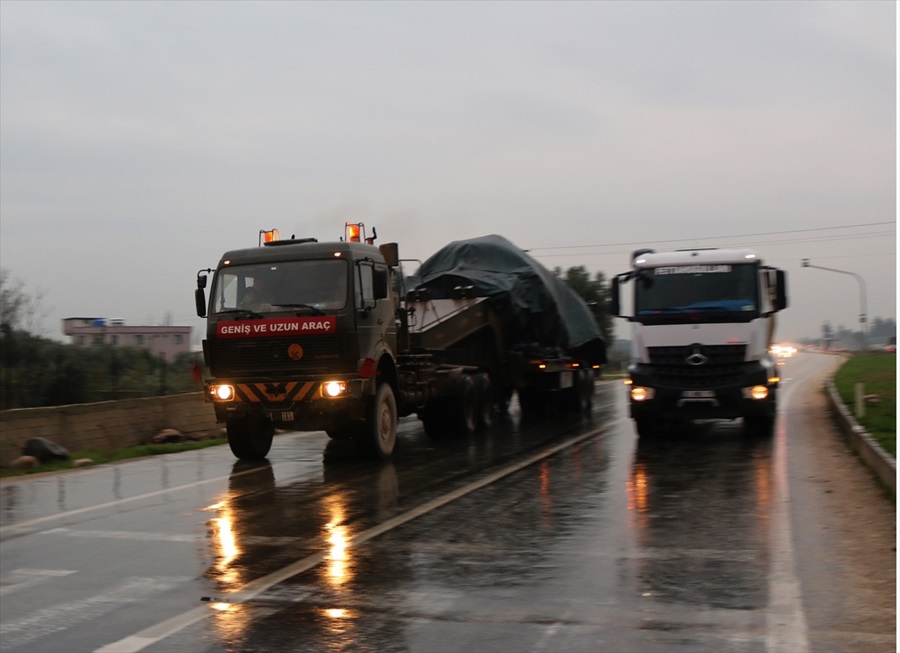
(165, 341)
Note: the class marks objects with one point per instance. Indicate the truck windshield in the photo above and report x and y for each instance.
(692, 289)
(314, 285)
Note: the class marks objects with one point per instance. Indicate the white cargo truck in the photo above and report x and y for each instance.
(703, 322)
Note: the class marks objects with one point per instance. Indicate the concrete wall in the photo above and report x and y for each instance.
(108, 425)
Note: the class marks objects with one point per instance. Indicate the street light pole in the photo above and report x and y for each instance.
(863, 329)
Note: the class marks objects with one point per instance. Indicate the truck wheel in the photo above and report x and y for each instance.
(464, 406)
(434, 419)
(250, 438)
(534, 403)
(380, 434)
(647, 427)
(586, 387)
(760, 425)
(485, 395)
(580, 397)
(502, 397)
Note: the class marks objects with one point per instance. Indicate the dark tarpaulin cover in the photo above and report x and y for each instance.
(542, 310)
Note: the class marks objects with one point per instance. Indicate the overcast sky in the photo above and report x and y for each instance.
(139, 140)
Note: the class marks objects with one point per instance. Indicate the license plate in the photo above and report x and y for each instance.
(565, 380)
(699, 394)
(287, 416)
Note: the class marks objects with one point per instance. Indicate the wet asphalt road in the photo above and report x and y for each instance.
(562, 535)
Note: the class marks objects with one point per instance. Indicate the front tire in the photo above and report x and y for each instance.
(647, 427)
(379, 436)
(250, 438)
(760, 425)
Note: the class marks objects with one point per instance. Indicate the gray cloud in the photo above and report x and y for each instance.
(140, 140)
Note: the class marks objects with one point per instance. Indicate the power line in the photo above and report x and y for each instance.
(764, 233)
(772, 243)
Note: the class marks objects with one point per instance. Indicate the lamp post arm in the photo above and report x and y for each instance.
(862, 297)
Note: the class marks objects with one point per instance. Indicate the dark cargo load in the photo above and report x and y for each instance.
(542, 310)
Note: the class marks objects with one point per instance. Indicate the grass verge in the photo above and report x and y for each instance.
(100, 457)
(878, 374)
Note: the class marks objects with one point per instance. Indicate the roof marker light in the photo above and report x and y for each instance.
(353, 232)
(268, 236)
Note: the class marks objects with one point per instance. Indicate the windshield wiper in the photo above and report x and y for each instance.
(240, 311)
(315, 309)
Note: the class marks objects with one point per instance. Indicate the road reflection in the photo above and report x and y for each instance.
(700, 510)
(258, 527)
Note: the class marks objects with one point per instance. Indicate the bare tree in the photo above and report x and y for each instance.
(20, 311)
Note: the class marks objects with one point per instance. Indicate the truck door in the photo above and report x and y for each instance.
(374, 309)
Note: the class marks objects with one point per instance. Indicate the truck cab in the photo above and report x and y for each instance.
(299, 335)
(702, 322)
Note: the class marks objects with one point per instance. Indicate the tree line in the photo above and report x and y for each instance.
(37, 371)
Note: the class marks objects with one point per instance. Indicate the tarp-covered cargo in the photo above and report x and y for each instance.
(542, 310)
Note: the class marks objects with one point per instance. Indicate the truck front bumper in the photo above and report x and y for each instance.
(751, 393)
(302, 404)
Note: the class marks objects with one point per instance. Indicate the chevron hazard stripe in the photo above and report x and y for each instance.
(264, 393)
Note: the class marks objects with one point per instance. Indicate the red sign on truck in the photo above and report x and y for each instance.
(282, 326)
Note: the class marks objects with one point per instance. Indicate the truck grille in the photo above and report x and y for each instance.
(723, 365)
(321, 354)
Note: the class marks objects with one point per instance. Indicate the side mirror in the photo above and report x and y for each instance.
(200, 301)
(614, 305)
(781, 300)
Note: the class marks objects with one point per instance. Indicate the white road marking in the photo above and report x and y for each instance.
(153, 634)
(138, 536)
(19, 579)
(785, 620)
(56, 618)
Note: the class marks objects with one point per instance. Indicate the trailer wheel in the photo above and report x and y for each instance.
(434, 419)
(250, 438)
(586, 388)
(464, 406)
(534, 403)
(485, 396)
(580, 397)
(502, 397)
(380, 433)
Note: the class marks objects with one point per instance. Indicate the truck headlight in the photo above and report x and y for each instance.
(640, 393)
(222, 392)
(333, 389)
(756, 392)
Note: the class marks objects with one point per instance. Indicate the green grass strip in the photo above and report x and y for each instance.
(877, 372)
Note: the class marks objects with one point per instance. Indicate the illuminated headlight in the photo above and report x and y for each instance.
(333, 389)
(222, 392)
(640, 393)
(756, 392)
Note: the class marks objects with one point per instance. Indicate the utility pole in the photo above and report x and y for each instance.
(863, 328)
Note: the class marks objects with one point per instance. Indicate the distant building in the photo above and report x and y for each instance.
(165, 341)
